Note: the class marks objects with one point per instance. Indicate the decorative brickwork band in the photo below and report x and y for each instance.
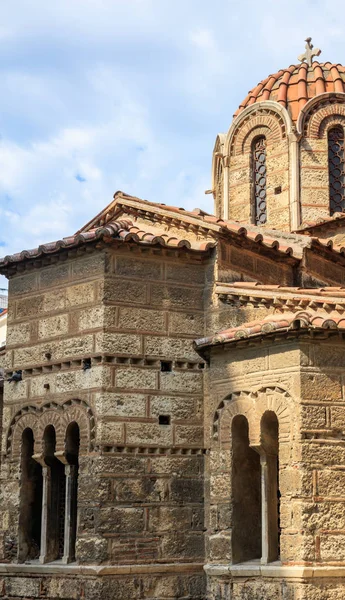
(265, 122)
(322, 117)
(57, 415)
(252, 405)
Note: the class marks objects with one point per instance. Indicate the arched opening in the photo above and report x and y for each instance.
(270, 483)
(336, 169)
(55, 498)
(259, 181)
(30, 508)
(72, 443)
(246, 495)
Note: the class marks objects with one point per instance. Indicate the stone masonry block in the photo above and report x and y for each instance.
(332, 547)
(22, 284)
(177, 407)
(148, 433)
(84, 293)
(185, 273)
(91, 318)
(220, 547)
(18, 334)
(110, 432)
(314, 177)
(15, 391)
(313, 417)
(189, 435)
(320, 386)
(186, 490)
(169, 518)
(186, 323)
(141, 319)
(135, 378)
(23, 587)
(328, 355)
(146, 489)
(188, 383)
(183, 546)
(323, 454)
(338, 417)
(169, 296)
(53, 326)
(118, 290)
(120, 405)
(185, 466)
(69, 347)
(89, 266)
(54, 276)
(138, 268)
(283, 357)
(171, 348)
(64, 588)
(118, 343)
(331, 483)
(121, 520)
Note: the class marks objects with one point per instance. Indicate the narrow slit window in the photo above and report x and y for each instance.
(30, 501)
(336, 164)
(246, 495)
(259, 181)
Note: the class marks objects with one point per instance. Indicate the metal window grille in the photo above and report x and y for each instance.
(336, 167)
(259, 181)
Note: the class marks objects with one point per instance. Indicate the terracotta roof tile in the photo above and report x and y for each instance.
(122, 230)
(294, 86)
(324, 223)
(278, 323)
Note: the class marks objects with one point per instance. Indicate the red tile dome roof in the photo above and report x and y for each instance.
(294, 86)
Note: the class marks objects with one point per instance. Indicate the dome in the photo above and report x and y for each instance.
(294, 86)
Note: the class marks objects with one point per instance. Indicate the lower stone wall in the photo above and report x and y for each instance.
(276, 588)
(135, 586)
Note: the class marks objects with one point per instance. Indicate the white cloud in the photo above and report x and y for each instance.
(100, 95)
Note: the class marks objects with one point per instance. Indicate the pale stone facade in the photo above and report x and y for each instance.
(173, 423)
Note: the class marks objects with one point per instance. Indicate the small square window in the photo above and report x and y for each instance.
(164, 419)
(166, 366)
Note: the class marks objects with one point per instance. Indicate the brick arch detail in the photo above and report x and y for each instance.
(253, 405)
(268, 121)
(58, 415)
(317, 122)
(27, 421)
(329, 122)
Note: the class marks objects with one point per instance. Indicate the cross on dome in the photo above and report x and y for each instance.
(309, 52)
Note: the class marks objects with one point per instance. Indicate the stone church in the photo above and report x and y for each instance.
(173, 421)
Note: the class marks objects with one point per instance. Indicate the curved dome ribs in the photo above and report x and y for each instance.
(294, 86)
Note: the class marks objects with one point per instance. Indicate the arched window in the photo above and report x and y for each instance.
(270, 487)
(71, 470)
(259, 180)
(246, 495)
(336, 168)
(219, 189)
(30, 510)
(54, 499)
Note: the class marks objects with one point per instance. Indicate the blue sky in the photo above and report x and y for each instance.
(102, 95)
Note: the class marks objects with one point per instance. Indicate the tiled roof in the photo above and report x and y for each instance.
(293, 87)
(280, 297)
(128, 218)
(122, 230)
(276, 323)
(199, 221)
(325, 223)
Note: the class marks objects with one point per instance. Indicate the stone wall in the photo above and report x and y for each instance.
(302, 383)
(133, 315)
